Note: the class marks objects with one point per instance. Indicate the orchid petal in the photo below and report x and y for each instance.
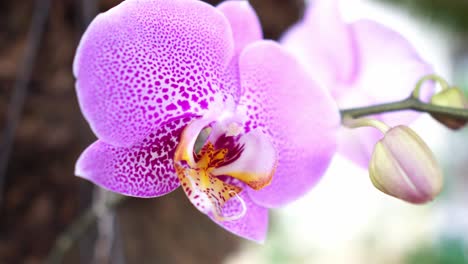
(244, 22)
(324, 43)
(390, 65)
(390, 68)
(377, 66)
(143, 170)
(146, 61)
(246, 29)
(358, 144)
(301, 118)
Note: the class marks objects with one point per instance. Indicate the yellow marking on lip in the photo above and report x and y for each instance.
(196, 167)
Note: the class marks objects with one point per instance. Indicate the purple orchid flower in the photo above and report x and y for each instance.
(362, 63)
(180, 93)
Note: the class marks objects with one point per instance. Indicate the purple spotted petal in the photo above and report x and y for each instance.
(325, 44)
(246, 29)
(146, 61)
(143, 170)
(302, 119)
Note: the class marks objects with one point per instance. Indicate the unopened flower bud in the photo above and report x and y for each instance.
(451, 97)
(403, 166)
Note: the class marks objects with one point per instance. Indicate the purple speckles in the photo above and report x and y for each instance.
(204, 104)
(171, 107)
(144, 170)
(184, 104)
(140, 53)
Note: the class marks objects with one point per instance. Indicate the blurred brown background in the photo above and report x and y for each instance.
(43, 135)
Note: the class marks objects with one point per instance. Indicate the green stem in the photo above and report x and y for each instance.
(406, 104)
(434, 77)
(365, 122)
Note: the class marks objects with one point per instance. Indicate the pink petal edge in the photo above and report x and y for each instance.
(302, 119)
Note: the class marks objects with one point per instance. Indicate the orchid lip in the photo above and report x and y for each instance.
(211, 148)
(220, 217)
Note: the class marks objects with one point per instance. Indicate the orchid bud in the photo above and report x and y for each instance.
(403, 166)
(451, 97)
